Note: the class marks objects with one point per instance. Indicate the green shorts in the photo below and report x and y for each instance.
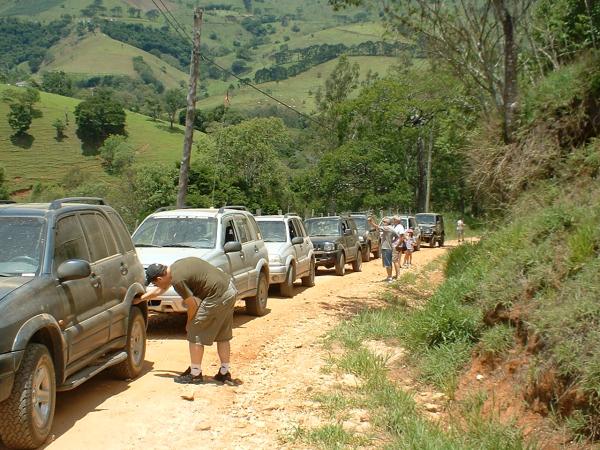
(214, 324)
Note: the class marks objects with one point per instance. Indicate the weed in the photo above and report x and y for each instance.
(441, 365)
(329, 436)
(496, 340)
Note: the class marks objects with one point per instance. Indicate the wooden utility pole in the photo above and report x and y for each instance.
(191, 111)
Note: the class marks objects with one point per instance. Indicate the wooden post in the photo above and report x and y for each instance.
(190, 113)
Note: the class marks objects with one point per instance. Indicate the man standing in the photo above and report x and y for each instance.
(387, 238)
(209, 296)
(460, 230)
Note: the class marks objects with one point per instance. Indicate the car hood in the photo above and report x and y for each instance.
(9, 284)
(320, 239)
(168, 255)
(276, 248)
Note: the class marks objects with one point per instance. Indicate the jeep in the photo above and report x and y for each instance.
(290, 252)
(368, 236)
(228, 238)
(336, 242)
(70, 287)
(432, 228)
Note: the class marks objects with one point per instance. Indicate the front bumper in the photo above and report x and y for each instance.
(277, 273)
(8, 368)
(167, 304)
(327, 259)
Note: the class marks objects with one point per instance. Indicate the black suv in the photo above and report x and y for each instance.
(70, 282)
(336, 242)
(368, 236)
(432, 228)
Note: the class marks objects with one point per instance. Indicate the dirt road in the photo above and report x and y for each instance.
(277, 357)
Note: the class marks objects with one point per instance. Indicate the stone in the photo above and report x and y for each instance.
(479, 377)
(431, 407)
(203, 427)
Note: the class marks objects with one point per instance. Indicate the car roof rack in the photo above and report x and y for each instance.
(291, 214)
(57, 204)
(170, 208)
(238, 207)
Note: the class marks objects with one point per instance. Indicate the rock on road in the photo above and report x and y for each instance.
(277, 358)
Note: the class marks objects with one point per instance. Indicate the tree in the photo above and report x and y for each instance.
(98, 117)
(19, 117)
(116, 154)
(4, 194)
(59, 126)
(174, 100)
(117, 11)
(57, 83)
(153, 14)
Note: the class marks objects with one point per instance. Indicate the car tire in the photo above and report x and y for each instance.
(257, 305)
(287, 287)
(340, 265)
(309, 280)
(26, 417)
(366, 254)
(135, 348)
(357, 263)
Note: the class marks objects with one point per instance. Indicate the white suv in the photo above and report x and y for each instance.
(228, 238)
(290, 251)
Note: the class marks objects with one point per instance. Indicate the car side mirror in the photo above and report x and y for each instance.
(298, 240)
(233, 246)
(73, 269)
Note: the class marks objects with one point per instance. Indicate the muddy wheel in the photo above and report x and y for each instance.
(366, 253)
(257, 305)
(357, 263)
(309, 280)
(28, 413)
(340, 265)
(287, 287)
(135, 348)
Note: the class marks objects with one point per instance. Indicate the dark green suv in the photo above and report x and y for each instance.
(336, 242)
(70, 282)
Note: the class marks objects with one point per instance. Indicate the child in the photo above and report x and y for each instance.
(399, 248)
(409, 242)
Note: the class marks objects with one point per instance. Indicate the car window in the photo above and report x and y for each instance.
(412, 223)
(122, 233)
(109, 238)
(69, 241)
(272, 230)
(21, 242)
(427, 219)
(95, 237)
(322, 227)
(300, 227)
(253, 227)
(229, 233)
(361, 224)
(193, 232)
(243, 229)
(292, 230)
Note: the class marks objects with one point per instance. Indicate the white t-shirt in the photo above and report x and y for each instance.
(460, 225)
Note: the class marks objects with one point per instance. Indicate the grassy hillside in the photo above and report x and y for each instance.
(41, 157)
(97, 54)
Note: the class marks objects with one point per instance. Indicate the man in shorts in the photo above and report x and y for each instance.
(387, 238)
(209, 296)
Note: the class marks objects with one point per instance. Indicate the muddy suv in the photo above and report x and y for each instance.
(336, 242)
(432, 228)
(290, 252)
(228, 238)
(70, 282)
(368, 236)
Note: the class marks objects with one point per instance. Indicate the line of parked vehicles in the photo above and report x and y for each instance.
(71, 278)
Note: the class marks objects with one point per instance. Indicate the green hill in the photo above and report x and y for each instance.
(42, 158)
(97, 54)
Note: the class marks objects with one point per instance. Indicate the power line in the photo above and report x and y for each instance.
(180, 30)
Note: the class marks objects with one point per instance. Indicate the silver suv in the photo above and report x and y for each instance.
(290, 251)
(228, 238)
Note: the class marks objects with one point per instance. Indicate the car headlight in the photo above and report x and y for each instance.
(329, 246)
(275, 259)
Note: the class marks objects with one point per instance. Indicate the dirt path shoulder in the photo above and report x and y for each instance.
(277, 357)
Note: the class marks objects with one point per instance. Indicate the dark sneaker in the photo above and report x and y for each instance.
(223, 378)
(188, 378)
(187, 371)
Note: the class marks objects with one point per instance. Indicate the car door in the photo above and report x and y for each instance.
(250, 251)
(302, 249)
(235, 260)
(83, 298)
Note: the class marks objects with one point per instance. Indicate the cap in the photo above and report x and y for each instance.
(153, 271)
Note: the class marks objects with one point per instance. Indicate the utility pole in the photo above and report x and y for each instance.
(191, 111)
(429, 152)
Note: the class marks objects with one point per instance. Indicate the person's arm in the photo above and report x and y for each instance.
(153, 293)
(192, 304)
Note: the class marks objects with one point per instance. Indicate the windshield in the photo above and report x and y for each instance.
(194, 232)
(21, 244)
(361, 224)
(272, 231)
(322, 227)
(427, 219)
